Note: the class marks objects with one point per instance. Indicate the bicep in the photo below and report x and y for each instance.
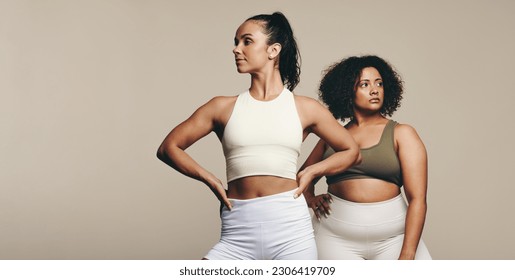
(413, 158)
(331, 131)
(198, 125)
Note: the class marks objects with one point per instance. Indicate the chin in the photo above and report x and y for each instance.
(242, 71)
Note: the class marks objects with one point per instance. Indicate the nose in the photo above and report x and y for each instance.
(374, 91)
(236, 50)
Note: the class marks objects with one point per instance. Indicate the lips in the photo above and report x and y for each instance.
(374, 100)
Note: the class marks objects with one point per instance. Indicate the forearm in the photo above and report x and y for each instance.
(415, 219)
(336, 163)
(179, 160)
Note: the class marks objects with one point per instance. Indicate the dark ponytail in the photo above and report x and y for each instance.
(278, 30)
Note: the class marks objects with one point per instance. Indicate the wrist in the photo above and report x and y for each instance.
(314, 171)
(206, 177)
(308, 195)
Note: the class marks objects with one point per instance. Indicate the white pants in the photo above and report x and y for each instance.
(267, 228)
(371, 231)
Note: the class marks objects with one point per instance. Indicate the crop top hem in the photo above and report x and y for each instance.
(357, 176)
(262, 174)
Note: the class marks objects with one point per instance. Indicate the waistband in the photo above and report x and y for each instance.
(276, 207)
(369, 213)
(263, 198)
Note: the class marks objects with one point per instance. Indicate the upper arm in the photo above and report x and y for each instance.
(413, 159)
(319, 120)
(198, 125)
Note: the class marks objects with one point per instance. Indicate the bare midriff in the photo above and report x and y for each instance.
(364, 190)
(259, 186)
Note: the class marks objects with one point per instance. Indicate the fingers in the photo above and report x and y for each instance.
(315, 210)
(321, 205)
(220, 193)
(297, 193)
(227, 203)
(223, 196)
(328, 198)
(303, 182)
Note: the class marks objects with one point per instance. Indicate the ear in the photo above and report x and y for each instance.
(274, 50)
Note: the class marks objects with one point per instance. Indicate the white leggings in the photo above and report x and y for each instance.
(370, 231)
(266, 228)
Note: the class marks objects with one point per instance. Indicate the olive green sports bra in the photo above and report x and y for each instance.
(379, 161)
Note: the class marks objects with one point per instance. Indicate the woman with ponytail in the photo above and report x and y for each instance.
(264, 213)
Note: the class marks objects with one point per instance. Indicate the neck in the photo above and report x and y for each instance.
(266, 87)
(367, 119)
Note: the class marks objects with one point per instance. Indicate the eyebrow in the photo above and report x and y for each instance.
(243, 36)
(367, 80)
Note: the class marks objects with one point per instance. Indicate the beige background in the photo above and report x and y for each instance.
(90, 88)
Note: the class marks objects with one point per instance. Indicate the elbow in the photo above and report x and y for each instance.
(161, 153)
(167, 153)
(419, 203)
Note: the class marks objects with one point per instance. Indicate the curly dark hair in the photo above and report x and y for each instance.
(279, 30)
(338, 86)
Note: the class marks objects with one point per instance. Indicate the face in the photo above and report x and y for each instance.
(369, 91)
(251, 50)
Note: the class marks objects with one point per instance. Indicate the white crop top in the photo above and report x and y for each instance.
(262, 137)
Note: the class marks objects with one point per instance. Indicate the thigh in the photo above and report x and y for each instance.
(334, 242)
(299, 250)
(290, 240)
(237, 243)
(391, 249)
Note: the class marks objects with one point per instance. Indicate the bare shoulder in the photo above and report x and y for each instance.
(220, 109)
(312, 113)
(405, 130)
(406, 133)
(305, 100)
(221, 101)
(217, 105)
(308, 104)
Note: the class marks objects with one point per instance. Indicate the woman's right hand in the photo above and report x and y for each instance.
(218, 189)
(320, 205)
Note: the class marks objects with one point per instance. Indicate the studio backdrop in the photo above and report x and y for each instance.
(89, 89)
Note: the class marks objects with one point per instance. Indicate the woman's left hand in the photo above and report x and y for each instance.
(321, 205)
(304, 179)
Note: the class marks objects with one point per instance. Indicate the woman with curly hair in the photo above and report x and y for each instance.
(264, 214)
(363, 215)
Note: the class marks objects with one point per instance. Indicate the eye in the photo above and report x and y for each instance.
(363, 85)
(380, 84)
(247, 42)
